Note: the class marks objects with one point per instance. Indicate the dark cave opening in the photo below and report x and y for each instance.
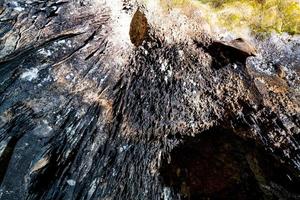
(217, 164)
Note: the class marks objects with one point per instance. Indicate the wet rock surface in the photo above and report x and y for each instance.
(86, 114)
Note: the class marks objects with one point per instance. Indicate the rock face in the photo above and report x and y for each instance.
(87, 114)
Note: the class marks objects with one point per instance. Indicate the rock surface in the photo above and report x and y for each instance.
(86, 114)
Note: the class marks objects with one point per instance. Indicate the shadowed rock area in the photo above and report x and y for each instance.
(118, 100)
(219, 165)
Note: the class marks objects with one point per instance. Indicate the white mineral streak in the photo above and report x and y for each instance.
(174, 24)
(121, 22)
(119, 38)
(16, 6)
(278, 48)
(43, 129)
(93, 188)
(167, 193)
(45, 52)
(71, 182)
(3, 145)
(30, 74)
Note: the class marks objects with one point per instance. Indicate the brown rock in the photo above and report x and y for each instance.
(243, 46)
(138, 28)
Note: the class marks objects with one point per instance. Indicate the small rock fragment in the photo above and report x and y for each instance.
(71, 182)
(235, 51)
(40, 164)
(243, 46)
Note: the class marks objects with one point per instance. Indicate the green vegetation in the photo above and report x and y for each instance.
(258, 15)
(247, 15)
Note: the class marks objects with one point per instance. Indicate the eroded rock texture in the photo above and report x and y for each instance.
(86, 114)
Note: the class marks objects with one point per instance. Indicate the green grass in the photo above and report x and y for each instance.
(258, 15)
(245, 16)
